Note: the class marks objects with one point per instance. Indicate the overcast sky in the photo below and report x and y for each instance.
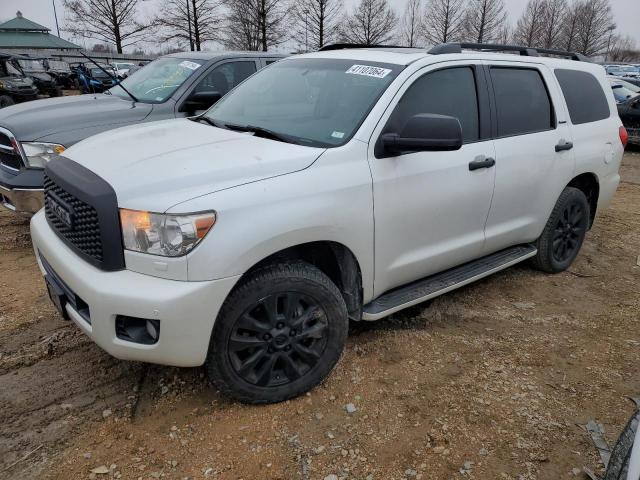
(626, 12)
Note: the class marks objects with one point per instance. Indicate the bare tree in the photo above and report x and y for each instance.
(595, 27)
(194, 21)
(316, 22)
(444, 21)
(255, 24)
(411, 23)
(623, 49)
(484, 19)
(529, 27)
(111, 21)
(569, 29)
(505, 34)
(372, 23)
(553, 23)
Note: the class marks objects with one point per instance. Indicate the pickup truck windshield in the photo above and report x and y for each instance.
(157, 81)
(308, 101)
(58, 66)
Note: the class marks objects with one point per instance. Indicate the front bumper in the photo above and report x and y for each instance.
(186, 310)
(22, 192)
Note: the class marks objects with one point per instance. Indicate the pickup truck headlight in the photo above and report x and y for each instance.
(164, 234)
(38, 153)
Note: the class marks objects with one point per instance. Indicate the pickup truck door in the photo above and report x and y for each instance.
(534, 152)
(430, 208)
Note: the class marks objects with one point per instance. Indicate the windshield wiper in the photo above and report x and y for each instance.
(110, 76)
(206, 119)
(260, 132)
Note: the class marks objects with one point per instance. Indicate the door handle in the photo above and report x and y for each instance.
(564, 146)
(481, 163)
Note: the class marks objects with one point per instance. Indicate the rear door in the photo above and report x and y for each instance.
(534, 156)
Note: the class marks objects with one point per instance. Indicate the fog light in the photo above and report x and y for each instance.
(137, 330)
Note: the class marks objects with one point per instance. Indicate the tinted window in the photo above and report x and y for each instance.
(522, 101)
(227, 76)
(584, 95)
(450, 92)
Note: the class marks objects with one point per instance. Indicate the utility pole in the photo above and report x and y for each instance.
(55, 14)
(189, 22)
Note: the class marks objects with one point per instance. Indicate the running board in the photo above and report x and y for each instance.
(444, 282)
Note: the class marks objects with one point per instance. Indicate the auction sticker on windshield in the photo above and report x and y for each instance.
(190, 65)
(369, 71)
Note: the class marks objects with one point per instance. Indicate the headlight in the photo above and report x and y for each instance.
(164, 234)
(38, 154)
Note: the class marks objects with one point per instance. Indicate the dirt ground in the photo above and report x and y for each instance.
(490, 382)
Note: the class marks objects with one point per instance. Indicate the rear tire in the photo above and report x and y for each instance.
(6, 100)
(278, 334)
(564, 233)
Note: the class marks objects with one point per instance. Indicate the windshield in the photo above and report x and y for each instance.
(158, 80)
(121, 66)
(622, 93)
(6, 69)
(628, 85)
(629, 69)
(99, 73)
(310, 101)
(31, 65)
(58, 65)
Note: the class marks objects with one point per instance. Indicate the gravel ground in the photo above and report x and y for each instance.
(490, 382)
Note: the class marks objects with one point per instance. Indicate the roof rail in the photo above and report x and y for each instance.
(344, 46)
(445, 48)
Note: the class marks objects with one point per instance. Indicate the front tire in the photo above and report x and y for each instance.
(564, 233)
(278, 334)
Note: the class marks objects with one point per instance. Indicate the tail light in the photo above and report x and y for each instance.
(624, 136)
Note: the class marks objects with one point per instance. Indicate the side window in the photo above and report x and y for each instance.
(450, 92)
(522, 101)
(226, 76)
(584, 96)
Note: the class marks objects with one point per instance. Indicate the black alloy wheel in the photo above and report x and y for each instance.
(279, 339)
(569, 232)
(564, 233)
(279, 333)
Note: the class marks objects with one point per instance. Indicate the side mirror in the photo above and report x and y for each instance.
(425, 133)
(200, 101)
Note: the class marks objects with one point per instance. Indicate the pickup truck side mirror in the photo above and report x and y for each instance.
(425, 133)
(200, 101)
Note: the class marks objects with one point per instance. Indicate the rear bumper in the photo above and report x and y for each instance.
(22, 192)
(186, 310)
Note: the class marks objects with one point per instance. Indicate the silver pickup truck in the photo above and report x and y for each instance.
(173, 86)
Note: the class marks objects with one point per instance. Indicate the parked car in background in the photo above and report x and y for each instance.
(94, 78)
(177, 85)
(622, 90)
(15, 87)
(34, 69)
(338, 185)
(61, 71)
(626, 81)
(122, 68)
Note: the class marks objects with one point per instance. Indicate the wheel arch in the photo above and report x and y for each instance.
(588, 184)
(334, 259)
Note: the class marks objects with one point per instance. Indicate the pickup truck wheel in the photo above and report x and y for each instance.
(278, 334)
(5, 101)
(564, 233)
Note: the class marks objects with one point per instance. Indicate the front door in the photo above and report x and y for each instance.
(430, 208)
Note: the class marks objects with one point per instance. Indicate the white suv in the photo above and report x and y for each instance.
(343, 184)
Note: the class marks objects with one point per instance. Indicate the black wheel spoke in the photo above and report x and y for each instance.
(249, 323)
(309, 355)
(264, 375)
(249, 364)
(291, 304)
(291, 368)
(309, 314)
(239, 343)
(315, 331)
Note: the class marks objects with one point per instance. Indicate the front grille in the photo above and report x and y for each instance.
(8, 155)
(84, 232)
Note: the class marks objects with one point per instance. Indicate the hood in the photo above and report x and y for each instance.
(16, 81)
(42, 76)
(31, 121)
(157, 165)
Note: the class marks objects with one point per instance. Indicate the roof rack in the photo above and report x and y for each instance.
(344, 46)
(445, 48)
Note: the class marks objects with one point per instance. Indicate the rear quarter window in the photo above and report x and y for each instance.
(585, 98)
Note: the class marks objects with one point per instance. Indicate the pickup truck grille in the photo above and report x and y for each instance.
(9, 157)
(83, 232)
